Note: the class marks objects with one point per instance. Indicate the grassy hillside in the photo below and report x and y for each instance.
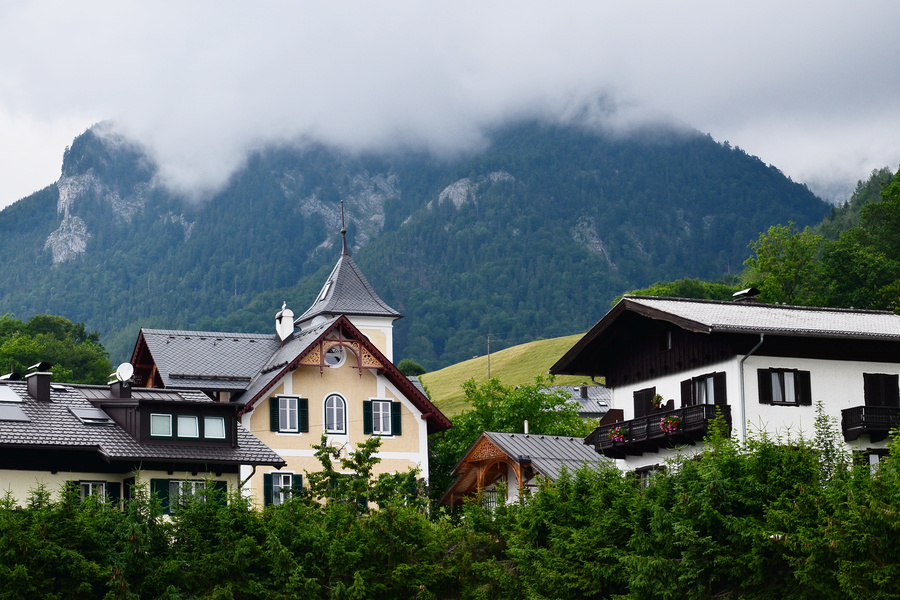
(513, 366)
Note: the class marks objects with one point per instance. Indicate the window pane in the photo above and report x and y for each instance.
(790, 392)
(777, 389)
(214, 428)
(287, 418)
(188, 427)
(334, 414)
(93, 488)
(381, 418)
(281, 487)
(161, 425)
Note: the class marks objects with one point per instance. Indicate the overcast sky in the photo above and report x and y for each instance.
(813, 88)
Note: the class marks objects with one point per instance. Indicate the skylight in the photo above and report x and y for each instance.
(12, 412)
(324, 291)
(7, 394)
(91, 416)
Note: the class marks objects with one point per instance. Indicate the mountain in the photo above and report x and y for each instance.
(531, 237)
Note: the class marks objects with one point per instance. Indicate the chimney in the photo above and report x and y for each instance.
(39, 385)
(584, 391)
(526, 426)
(284, 322)
(746, 296)
(120, 389)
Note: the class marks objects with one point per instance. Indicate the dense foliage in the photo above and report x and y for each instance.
(534, 233)
(861, 268)
(690, 288)
(503, 408)
(75, 355)
(764, 520)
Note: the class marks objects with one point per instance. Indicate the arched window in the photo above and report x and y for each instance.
(335, 414)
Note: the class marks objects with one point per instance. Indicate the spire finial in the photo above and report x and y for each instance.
(344, 250)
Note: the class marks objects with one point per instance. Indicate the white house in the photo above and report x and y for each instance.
(763, 367)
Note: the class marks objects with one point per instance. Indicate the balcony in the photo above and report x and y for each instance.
(876, 421)
(647, 435)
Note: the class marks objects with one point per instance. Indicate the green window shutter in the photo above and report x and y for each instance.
(719, 388)
(113, 491)
(303, 414)
(220, 492)
(764, 377)
(268, 496)
(804, 394)
(160, 489)
(367, 417)
(396, 425)
(273, 414)
(297, 483)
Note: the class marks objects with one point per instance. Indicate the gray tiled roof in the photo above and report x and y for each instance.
(347, 292)
(53, 424)
(418, 385)
(597, 401)
(293, 347)
(755, 317)
(548, 453)
(209, 359)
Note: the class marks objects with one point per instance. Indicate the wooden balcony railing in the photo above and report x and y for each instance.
(876, 421)
(646, 434)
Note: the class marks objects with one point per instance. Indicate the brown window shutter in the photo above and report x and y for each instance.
(765, 386)
(719, 389)
(687, 393)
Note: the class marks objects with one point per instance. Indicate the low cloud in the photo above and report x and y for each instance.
(202, 84)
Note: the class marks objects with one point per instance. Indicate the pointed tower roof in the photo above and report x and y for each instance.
(347, 291)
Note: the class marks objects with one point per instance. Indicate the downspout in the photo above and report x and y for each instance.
(249, 477)
(743, 393)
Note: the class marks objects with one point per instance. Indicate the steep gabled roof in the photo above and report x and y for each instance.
(55, 425)
(718, 317)
(548, 454)
(205, 359)
(300, 344)
(545, 455)
(347, 292)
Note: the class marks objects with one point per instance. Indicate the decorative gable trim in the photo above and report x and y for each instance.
(369, 358)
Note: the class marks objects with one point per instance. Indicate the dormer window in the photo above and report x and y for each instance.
(188, 426)
(160, 425)
(324, 291)
(214, 428)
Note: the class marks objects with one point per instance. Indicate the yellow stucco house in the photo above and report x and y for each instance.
(328, 371)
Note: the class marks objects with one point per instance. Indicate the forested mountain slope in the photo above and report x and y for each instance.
(531, 237)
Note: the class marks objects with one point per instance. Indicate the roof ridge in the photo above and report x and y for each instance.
(760, 305)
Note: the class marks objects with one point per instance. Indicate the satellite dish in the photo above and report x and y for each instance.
(124, 372)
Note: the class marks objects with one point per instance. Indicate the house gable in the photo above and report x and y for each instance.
(340, 332)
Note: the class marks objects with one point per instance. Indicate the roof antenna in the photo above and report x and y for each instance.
(344, 251)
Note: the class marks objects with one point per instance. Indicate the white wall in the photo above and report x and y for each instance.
(836, 384)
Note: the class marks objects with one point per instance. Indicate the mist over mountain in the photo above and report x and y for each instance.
(531, 237)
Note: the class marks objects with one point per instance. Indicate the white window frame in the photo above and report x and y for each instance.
(341, 422)
(784, 386)
(96, 489)
(188, 418)
(280, 482)
(288, 407)
(168, 417)
(206, 422)
(179, 489)
(705, 389)
(381, 414)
